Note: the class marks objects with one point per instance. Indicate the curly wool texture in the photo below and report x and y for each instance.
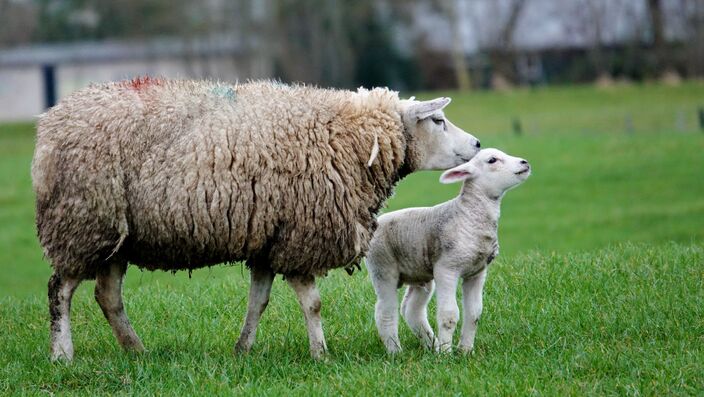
(184, 174)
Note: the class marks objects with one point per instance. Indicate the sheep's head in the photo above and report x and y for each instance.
(434, 143)
(492, 171)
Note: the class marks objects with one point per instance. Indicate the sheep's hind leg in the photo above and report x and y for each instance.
(309, 299)
(259, 290)
(415, 311)
(61, 291)
(108, 294)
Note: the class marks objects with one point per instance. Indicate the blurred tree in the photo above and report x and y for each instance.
(18, 20)
(338, 43)
(451, 11)
(688, 17)
(496, 34)
(70, 20)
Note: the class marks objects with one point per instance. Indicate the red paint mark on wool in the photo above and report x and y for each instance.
(140, 83)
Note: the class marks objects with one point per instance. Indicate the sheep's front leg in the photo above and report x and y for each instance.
(261, 279)
(448, 313)
(60, 294)
(309, 299)
(472, 288)
(108, 294)
(415, 311)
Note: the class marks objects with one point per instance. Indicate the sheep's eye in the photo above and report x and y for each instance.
(492, 160)
(438, 121)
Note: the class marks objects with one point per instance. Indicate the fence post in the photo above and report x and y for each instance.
(49, 81)
(628, 124)
(516, 125)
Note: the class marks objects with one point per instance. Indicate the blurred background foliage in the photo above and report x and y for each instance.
(410, 45)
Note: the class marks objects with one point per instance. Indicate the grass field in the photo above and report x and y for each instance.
(599, 288)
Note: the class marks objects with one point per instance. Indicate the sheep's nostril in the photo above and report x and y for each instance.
(478, 144)
(524, 162)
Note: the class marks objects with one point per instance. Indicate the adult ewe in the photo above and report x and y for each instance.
(178, 175)
(453, 240)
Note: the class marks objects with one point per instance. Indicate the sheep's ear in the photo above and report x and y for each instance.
(425, 109)
(460, 173)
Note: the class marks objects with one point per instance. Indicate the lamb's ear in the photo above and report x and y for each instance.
(460, 173)
(425, 109)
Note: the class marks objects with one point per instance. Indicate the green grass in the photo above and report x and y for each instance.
(599, 288)
(625, 320)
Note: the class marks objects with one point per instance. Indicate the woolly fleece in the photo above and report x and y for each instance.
(176, 175)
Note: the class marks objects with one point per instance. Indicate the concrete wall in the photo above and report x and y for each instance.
(22, 91)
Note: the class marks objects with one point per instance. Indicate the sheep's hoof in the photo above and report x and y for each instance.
(241, 349)
(466, 349)
(135, 352)
(133, 346)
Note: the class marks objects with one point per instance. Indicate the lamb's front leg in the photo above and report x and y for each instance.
(386, 308)
(472, 288)
(448, 313)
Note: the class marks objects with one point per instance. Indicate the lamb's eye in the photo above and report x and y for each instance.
(492, 160)
(439, 122)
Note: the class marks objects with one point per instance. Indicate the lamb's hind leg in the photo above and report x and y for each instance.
(415, 311)
(309, 299)
(108, 294)
(259, 291)
(472, 288)
(61, 290)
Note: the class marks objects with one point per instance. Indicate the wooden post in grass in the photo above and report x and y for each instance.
(681, 121)
(628, 124)
(517, 127)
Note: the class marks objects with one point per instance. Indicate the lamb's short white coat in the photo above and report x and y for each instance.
(440, 245)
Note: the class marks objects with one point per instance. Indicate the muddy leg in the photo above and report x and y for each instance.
(309, 299)
(108, 294)
(259, 290)
(60, 294)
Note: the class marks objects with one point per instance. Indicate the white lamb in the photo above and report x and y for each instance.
(453, 240)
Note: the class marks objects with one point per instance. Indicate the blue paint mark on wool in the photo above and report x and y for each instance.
(224, 92)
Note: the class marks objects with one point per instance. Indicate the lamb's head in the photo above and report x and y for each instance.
(434, 143)
(491, 170)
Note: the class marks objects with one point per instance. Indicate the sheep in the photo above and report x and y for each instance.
(439, 245)
(178, 175)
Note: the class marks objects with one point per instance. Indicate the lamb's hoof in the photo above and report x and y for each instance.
(465, 349)
(393, 349)
(319, 354)
(431, 346)
(392, 345)
(61, 357)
